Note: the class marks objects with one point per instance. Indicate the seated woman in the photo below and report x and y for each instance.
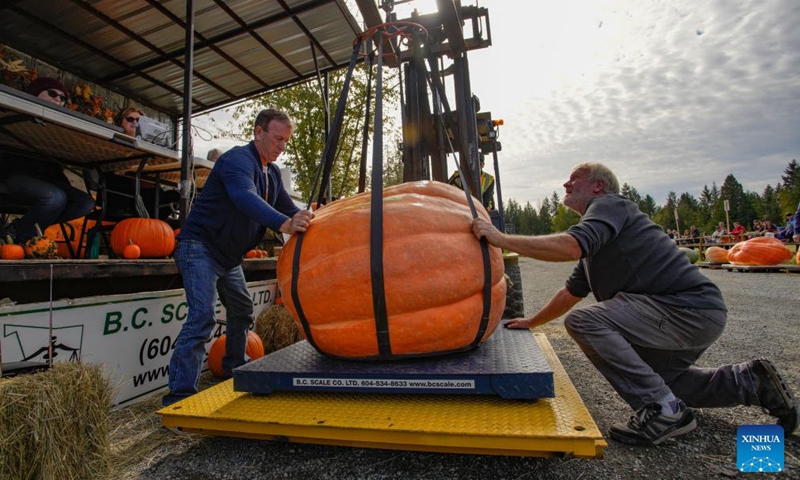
(121, 188)
(40, 183)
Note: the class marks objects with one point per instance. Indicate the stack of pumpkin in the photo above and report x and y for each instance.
(756, 251)
(131, 238)
(39, 247)
(142, 238)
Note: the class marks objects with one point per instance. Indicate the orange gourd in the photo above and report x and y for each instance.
(40, 246)
(11, 251)
(716, 255)
(433, 274)
(254, 349)
(759, 251)
(153, 236)
(132, 252)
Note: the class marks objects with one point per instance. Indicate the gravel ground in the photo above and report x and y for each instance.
(763, 321)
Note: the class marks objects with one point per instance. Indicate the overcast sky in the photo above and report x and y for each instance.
(672, 95)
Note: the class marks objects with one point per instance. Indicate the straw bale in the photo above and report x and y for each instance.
(54, 424)
(276, 328)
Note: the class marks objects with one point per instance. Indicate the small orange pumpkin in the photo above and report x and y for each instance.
(254, 350)
(153, 236)
(759, 251)
(251, 254)
(40, 246)
(716, 255)
(132, 252)
(11, 251)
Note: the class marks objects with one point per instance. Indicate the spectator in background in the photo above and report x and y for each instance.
(758, 229)
(695, 233)
(40, 183)
(738, 231)
(128, 119)
(122, 188)
(796, 223)
(787, 232)
(213, 154)
(719, 232)
(769, 228)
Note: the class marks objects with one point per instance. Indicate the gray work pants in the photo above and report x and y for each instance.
(646, 349)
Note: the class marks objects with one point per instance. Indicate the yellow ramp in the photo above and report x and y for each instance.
(480, 424)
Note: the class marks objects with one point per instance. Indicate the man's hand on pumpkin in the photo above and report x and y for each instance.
(298, 223)
(483, 228)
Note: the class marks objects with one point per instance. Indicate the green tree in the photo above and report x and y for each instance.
(769, 206)
(630, 193)
(512, 214)
(648, 206)
(304, 104)
(564, 218)
(545, 217)
(742, 206)
(789, 191)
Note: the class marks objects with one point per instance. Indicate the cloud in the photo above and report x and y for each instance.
(666, 108)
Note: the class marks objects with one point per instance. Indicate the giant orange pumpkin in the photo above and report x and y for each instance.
(254, 349)
(716, 255)
(153, 236)
(759, 251)
(432, 268)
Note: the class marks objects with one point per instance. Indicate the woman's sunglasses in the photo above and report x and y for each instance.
(55, 94)
(132, 119)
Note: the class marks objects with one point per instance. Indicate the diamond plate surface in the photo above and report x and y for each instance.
(441, 423)
(509, 364)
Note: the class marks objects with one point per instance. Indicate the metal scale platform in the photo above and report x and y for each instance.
(436, 422)
(509, 364)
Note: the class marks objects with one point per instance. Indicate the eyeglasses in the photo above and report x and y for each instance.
(132, 119)
(55, 94)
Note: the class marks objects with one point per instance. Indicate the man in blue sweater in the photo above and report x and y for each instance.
(655, 314)
(243, 196)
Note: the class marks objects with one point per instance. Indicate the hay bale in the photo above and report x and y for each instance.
(55, 424)
(276, 328)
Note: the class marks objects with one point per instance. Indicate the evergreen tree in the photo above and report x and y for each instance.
(630, 193)
(512, 213)
(648, 206)
(789, 195)
(545, 218)
(564, 218)
(742, 206)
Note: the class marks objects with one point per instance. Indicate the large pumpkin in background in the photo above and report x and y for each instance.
(153, 236)
(759, 251)
(432, 267)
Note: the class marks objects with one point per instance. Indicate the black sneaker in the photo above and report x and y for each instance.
(774, 395)
(650, 426)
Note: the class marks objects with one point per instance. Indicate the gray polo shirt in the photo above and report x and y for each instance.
(622, 250)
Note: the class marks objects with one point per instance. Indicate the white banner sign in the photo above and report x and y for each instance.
(131, 335)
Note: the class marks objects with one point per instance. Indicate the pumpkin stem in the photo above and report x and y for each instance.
(9, 240)
(38, 230)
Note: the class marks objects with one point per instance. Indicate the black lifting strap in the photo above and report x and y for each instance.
(326, 164)
(376, 220)
(435, 83)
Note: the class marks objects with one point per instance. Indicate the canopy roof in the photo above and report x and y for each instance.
(137, 47)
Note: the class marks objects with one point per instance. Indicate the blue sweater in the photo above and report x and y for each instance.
(230, 215)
